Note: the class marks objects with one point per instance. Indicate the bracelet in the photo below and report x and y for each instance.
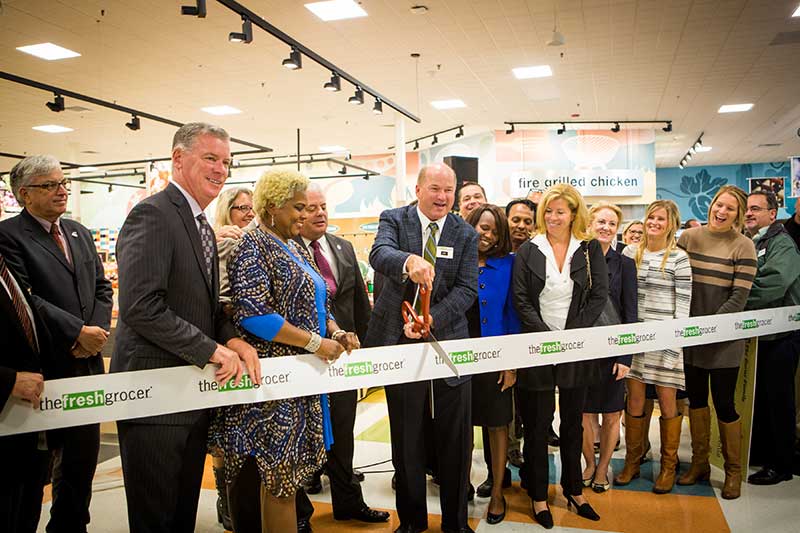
(313, 343)
(338, 333)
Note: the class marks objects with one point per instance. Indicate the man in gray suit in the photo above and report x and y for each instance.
(170, 316)
(425, 244)
(336, 261)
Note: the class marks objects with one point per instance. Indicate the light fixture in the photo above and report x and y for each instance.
(562, 129)
(336, 10)
(357, 98)
(87, 169)
(110, 188)
(688, 156)
(343, 171)
(57, 105)
(220, 110)
(142, 181)
(616, 127)
(134, 124)
(246, 36)
(334, 85)
(681, 164)
(416, 145)
(796, 12)
(735, 108)
(448, 104)
(378, 107)
(460, 132)
(48, 51)
(538, 71)
(294, 61)
(435, 140)
(510, 130)
(667, 128)
(52, 128)
(698, 143)
(198, 10)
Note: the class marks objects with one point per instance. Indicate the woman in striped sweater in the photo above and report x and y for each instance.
(723, 266)
(665, 292)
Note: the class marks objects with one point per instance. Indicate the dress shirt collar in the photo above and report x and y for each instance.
(193, 205)
(425, 221)
(46, 224)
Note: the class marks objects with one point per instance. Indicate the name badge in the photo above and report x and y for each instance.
(445, 252)
(761, 252)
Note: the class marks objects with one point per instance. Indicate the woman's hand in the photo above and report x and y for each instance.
(620, 370)
(229, 232)
(507, 379)
(349, 341)
(329, 351)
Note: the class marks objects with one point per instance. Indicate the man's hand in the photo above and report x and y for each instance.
(349, 341)
(79, 352)
(248, 355)
(229, 366)
(92, 338)
(329, 351)
(420, 271)
(229, 232)
(28, 386)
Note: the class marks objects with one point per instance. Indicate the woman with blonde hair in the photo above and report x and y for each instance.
(664, 292)
(560, 281)
(723, 267)
(631, 234)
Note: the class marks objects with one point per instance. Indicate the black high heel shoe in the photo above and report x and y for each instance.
(584, 510)
(493, 519)
(544, 518)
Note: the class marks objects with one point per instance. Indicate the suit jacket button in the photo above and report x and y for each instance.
(484, 321)
(483, 285)
(483, 302)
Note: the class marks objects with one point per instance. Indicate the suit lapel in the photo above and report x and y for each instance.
(185, 213)
(71, 235)
(342, 261)
(414, 231)
(446, 239)
(43, 239)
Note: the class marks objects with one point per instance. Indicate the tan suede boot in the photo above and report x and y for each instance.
(700, 426)
(648, 414)
(633, 449)
(731, 436)
(670, 439)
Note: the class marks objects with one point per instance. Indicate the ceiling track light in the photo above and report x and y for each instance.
(692, 150)
(460, 132)
(378, 107)
(357, 98)
(616, 127)
(510, 130)
(294, 61)
(246, 35)
(668, 127)
(435, 140)
(343, 171)
(134, 124)
(57, 105)
(416, 145)
(581, 124)
(198, 10)
(335, 83)
(562, 129)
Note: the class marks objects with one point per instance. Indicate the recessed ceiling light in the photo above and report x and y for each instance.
(796, 12)
(52, 128)
(221, 110)
(87, 169)
(538, 71)
(735, 108)
(48, 51)
(336, 10)
(704, 149)
(332, 148)
(448, 104)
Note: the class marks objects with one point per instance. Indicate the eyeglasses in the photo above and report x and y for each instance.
(50, 186)
(757, 209)
(635, 232)
(243, 209)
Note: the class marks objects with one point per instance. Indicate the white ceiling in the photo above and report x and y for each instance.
(623, 60)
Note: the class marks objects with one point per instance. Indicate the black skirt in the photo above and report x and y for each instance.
(490, 407)
(607, 396)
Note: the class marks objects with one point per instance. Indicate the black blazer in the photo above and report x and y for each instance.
(68, 296)
(351, 307)
(622, 291)
(169, 310)
(528, 282)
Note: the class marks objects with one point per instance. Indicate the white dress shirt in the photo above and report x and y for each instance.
(556, 296)
(193, 205)
(424, 222)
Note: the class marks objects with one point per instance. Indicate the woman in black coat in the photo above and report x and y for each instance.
(552, 291)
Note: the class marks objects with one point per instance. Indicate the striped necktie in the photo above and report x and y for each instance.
(429, 254)
(18, 303)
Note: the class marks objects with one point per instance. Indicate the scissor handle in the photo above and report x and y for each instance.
(420, 325)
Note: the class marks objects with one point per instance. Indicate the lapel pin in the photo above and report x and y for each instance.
(74, 234)
(338, 246)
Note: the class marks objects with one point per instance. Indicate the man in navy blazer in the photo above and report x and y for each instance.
(451, 272)
(57, 260)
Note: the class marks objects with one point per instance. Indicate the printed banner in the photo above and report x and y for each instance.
(92, 399)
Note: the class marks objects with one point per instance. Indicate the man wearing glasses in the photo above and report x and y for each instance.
(58, 264)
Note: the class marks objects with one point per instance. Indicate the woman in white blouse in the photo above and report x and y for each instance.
(560, 282)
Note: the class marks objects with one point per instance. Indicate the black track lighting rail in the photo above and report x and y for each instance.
(693, 149)
(297, 46)
(434, 136)
(110, 105)
(562, 123)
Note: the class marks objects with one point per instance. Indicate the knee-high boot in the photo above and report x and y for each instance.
(670, 439)
(731, 436)
(700, 426)
(633, 449)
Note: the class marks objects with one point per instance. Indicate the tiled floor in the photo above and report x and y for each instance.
(633, 508)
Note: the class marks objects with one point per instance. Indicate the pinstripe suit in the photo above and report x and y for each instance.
(169, 316)
(455, 288)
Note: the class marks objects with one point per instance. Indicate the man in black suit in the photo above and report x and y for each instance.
(336, 261)
(425, 244)
(57, 260)
(26, 348)
(170, 316)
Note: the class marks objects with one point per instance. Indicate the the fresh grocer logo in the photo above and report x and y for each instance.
(628, 339)
(794, 318)
(93, 398)
(470, 356)
(752, 323)
(364, 368)
(694, 331)
(551, 347)
(208, 385)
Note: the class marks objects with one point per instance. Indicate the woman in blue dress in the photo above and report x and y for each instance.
(493, 314)
(282, 308)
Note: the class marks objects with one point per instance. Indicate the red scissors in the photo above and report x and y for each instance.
(421, 323)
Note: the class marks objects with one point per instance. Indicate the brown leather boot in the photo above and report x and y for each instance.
(670, 439)
(731, 437)
(633, 449)
(648, 415)
(700, 426)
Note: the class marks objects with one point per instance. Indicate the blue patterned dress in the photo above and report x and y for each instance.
(284, 436)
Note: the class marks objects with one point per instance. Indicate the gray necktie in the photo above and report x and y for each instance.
(207, 242)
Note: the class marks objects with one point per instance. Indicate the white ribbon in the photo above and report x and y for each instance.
(102, 398)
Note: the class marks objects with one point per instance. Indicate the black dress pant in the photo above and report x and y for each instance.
(162, 467)
(537, 408)
(74, 464)
(723, 390)
(452, 430)
(24, 478)
(774, 411)
(244, 499)
(346, 496)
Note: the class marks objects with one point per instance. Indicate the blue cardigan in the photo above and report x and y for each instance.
(495, 301)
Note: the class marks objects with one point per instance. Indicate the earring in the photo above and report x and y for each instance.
(272, 220)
